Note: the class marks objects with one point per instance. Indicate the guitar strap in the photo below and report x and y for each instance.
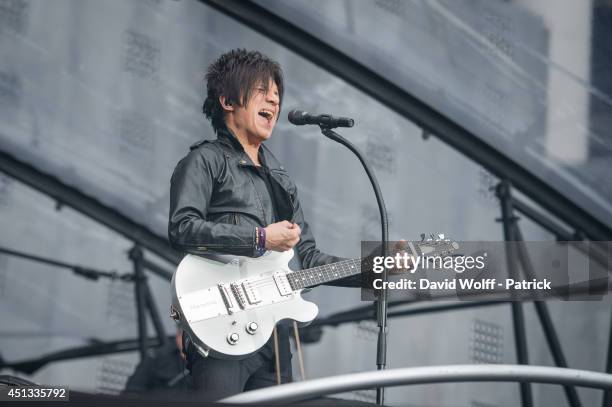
(276, 357)
(298, 345)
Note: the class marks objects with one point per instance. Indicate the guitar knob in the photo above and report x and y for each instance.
(232, 338)
(251, 328)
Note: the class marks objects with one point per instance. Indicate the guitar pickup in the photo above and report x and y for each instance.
(252, 294)
(282, 284)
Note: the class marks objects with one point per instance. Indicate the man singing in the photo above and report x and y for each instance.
(231, 195)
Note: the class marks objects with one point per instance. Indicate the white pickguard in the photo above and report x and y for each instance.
(206, 317)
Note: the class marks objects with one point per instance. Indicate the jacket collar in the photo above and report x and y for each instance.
(226, 136)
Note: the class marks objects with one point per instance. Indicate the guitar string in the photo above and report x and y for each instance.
(313, 274)
(322, 276)
(319, 274)
(307, 276)
(316, 275)
(325, 273)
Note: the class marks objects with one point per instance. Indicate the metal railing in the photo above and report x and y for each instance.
(294, 392)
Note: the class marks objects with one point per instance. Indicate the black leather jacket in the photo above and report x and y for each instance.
(215, 206)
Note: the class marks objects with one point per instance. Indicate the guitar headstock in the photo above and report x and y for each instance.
(436, 245)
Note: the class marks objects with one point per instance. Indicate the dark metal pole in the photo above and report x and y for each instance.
(150, 303)
(99, 348)
(508, 219)
(86, 272)
(381, 302)
(139, 291)
(547, 325)
(33, 257)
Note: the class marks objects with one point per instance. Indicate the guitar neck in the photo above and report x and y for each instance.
(324, 274)
(335, 271)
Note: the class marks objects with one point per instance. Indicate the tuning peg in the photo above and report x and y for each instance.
(441, 236)
(422, 237)
(432, 237)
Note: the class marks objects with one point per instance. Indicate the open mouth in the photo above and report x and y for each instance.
(266, 114)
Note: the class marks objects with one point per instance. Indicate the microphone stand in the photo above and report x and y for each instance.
(381, 302)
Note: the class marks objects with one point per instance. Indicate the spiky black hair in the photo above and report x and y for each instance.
(234, 75)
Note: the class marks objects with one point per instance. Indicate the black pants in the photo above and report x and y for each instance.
(214, 379)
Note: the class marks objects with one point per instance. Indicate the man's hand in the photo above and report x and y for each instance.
(400, 248)
(282, 236)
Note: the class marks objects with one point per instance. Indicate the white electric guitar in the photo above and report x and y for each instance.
(228, 305)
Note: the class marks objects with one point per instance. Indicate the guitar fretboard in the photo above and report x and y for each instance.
(323, 274)
(335, 271)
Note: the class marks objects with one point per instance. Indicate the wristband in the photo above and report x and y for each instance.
(260, 240)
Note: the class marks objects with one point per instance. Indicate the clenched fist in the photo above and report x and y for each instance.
(282, 236)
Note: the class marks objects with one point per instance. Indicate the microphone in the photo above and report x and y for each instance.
(300, 118)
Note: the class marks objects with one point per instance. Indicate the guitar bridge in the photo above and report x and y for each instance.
(239, 294)
(246, 294)
(226, 295)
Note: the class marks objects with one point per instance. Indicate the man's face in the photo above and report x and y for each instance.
(258, 117)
